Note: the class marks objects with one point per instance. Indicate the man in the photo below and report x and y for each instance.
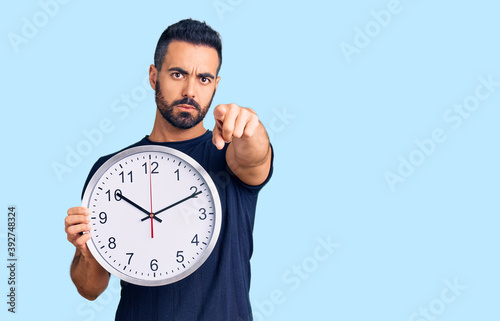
(185, 78)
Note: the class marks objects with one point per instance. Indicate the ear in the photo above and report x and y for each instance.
(217, 82)
(153, 74)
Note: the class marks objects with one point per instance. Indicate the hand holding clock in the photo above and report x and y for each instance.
(76, 223)
(87, 274)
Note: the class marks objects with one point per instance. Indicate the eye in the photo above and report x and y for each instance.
(204, 80)
(177, 75)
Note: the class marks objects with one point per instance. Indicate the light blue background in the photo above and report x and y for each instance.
(338, 124)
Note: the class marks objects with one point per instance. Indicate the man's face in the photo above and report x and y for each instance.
(186, 84)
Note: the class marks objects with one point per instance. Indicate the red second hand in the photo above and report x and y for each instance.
(151, 197)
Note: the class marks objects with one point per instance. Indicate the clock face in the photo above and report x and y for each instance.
(155, 215)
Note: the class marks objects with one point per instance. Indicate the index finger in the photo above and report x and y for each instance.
(220, 112)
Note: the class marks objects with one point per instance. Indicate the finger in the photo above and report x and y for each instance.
(77, 215)
(217, 138)
(251, 126)
(76, 219)
(239, 125)
(229, 122)
(81, 243)
(76, 236)
(245, 123)
(220, 112)
(75, 230)
(78, 210)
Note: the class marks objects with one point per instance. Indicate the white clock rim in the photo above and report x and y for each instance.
(217, 216)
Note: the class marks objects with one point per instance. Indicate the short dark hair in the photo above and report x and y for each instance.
(191, 31)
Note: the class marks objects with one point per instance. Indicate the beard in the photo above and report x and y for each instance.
(184, 119)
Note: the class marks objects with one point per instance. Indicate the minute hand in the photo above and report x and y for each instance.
(170, 206)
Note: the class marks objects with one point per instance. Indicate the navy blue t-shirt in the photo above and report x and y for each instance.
(219, 289)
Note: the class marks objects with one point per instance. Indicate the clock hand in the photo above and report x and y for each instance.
(151, 197)
(170, 206)
(137, 206)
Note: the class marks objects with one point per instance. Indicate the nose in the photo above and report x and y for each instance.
(189, 88)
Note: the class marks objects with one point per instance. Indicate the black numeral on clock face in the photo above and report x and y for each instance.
(123, 176)
(195, 240)
(130, 258)
(203, 214)
(177, 172)
(180, 257)
(112, 243)
(118, 195)
(103, 217)
(154, 265)
(154, 167)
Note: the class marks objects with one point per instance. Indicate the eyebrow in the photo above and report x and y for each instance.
(184, 72)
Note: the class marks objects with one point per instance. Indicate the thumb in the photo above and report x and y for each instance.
(219, 115)
(217, 138)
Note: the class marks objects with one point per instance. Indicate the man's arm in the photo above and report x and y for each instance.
(89, 277)
(249, 152)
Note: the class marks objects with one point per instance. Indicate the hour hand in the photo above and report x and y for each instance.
(121, 196)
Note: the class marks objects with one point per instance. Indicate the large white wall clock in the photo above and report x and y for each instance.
(155, 215)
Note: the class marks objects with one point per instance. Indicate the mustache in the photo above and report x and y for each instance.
(187, 101)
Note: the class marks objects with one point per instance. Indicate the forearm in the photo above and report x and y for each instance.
(89, 277)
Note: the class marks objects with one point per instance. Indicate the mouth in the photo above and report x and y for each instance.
(186, 107)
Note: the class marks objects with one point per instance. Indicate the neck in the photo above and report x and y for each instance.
(163, 131)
